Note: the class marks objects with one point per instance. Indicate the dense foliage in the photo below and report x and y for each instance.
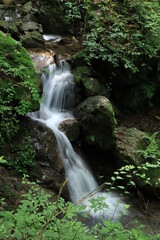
(125, 33)
(18, 91)
(38, 218)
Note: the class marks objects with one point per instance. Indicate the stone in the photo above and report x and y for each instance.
(70, 127)
(31, 26)
(28, 9)
(93, 87)
(128, 142)
(32, 40)
(41, 59)
(48, 167)
(96, 118)
(11, 27)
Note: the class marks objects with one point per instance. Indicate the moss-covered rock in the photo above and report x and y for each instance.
(129, 143)
(81, 72)
(96, 118)
(78, 59)
(18, 86)
(93, 87)
(11, 27)
(32, 39)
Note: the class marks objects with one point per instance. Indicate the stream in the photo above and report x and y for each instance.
(57, 105)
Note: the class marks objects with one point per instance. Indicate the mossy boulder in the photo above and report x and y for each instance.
(80, 73)
(96, 118)
(129, 143)
(78, 59)
(11, 27)
(32, 39)
(18, 87)
(28, 8)
(93, 87)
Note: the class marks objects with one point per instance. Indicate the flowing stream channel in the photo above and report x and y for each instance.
(57, 105)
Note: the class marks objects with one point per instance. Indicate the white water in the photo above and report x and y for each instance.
(51, 37)
(58, 95)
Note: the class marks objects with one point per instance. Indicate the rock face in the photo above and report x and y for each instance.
(96, 118)
(128, 142)
(48, 167)
(22, 23)
(70, 127)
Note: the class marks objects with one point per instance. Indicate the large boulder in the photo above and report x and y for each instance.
(93, 87)
(32, 39)
(48, 167)
(11, 27)
(130, 142)
(96, 118)
(31, 26)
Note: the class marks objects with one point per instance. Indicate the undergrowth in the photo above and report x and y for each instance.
(18, 92)
(38, 218)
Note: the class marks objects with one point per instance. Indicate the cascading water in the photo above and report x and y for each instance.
(58, 95)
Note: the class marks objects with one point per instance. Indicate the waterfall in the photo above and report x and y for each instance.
(57, 105)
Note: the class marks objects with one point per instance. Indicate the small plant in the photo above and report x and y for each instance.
(38, 218)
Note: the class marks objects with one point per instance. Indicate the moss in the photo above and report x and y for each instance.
(13, 54)
(11, 27)
(81, 72)
(33, 39)
(78, 59)
(18, 87)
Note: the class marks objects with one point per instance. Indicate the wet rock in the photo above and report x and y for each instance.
(96, 118)
(128, 142)
(48, 166)
(31, 26)
(41, 59)
(70, 127)
(32, 39)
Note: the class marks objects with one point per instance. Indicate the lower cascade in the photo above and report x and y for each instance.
(57, 105)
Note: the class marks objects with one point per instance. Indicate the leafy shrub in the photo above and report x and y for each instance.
(124, 32)
(18, 86)
(39, 218)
